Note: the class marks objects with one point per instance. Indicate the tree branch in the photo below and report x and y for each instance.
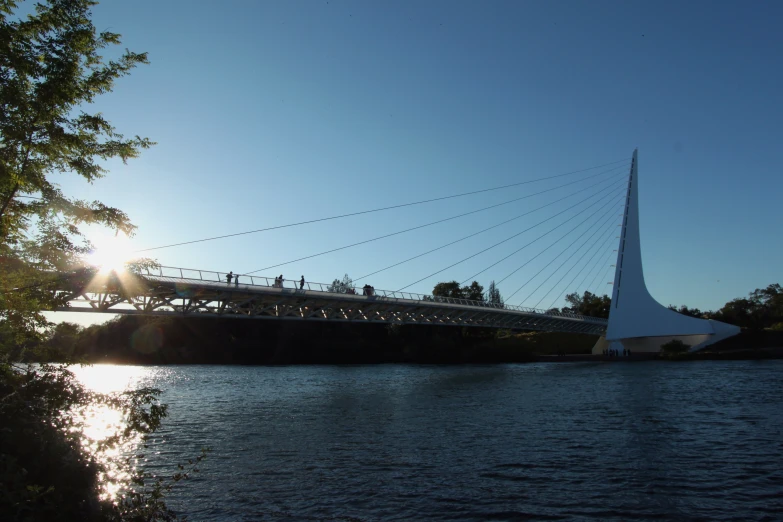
(8, 201)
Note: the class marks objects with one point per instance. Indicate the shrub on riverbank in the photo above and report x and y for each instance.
(50, 469)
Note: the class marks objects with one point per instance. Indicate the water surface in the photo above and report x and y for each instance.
(550, 441)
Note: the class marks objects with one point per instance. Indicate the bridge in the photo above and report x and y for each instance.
(201, 293)
(635, 319)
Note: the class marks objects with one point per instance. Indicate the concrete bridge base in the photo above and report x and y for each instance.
(653, 344)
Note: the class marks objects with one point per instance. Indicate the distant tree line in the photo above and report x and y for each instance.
(193, 340)
(586, 304)
(206, 340)
(763, 308)
(474, 292)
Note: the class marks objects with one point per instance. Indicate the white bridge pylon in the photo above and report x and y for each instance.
(636, 320)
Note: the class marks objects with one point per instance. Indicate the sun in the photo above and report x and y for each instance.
(110, 254)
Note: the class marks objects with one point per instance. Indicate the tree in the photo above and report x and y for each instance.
(341, 286)
(768, 305)
(62, 340)
(474, 292)
(50, 71)
(684, 310)
(450, 289)
(588, 304)
(493, 295)
(675, 346)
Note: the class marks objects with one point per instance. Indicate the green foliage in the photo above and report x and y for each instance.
(450, 289)
(588, 304)
(684, 310)
(62, 341)
(50, 469)
(142, 265)
(51, 69)
(674, 346)
(342, 286)
(474, 291)
(763, 308)
(493, 295)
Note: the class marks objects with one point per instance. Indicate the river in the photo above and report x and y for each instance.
(548, 441)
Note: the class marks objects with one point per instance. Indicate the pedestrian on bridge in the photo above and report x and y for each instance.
(229, 276)
(236, 280)
(281, 280)
(301, 283)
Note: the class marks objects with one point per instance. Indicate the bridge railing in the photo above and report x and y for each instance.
(244, 280)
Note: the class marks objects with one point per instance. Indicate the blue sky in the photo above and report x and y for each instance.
(268, 113)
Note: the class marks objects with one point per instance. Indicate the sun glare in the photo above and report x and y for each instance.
(101, 422)
(110, 253)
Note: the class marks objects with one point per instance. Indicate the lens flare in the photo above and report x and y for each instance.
(111, 254)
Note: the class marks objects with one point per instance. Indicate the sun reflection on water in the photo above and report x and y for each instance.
(107, 378)
(99, 422)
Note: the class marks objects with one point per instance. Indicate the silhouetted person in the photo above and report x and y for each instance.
(236, 280)
(228, 277)
(281, 280)
(301, 283)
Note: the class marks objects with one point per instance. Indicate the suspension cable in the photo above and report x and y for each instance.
(437, 222)
(496, 244)
(555, 271)
(544, 268)
(578, 261)
(598, 268)
(523, 265)
(378, 209)
(536, 239)
(606, 273)
(590, 270)
(463, 238)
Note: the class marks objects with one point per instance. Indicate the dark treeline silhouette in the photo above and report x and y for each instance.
(194, 340)
(586, 304)
(762, 309)
(474, 292)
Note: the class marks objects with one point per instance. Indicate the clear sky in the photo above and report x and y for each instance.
(268, 113)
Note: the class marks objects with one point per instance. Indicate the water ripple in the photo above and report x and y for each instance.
(581, 441)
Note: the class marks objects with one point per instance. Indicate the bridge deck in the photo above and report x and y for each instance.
(173, 291)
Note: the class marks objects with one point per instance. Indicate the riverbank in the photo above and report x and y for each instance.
(751, 354)
(178, 340)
